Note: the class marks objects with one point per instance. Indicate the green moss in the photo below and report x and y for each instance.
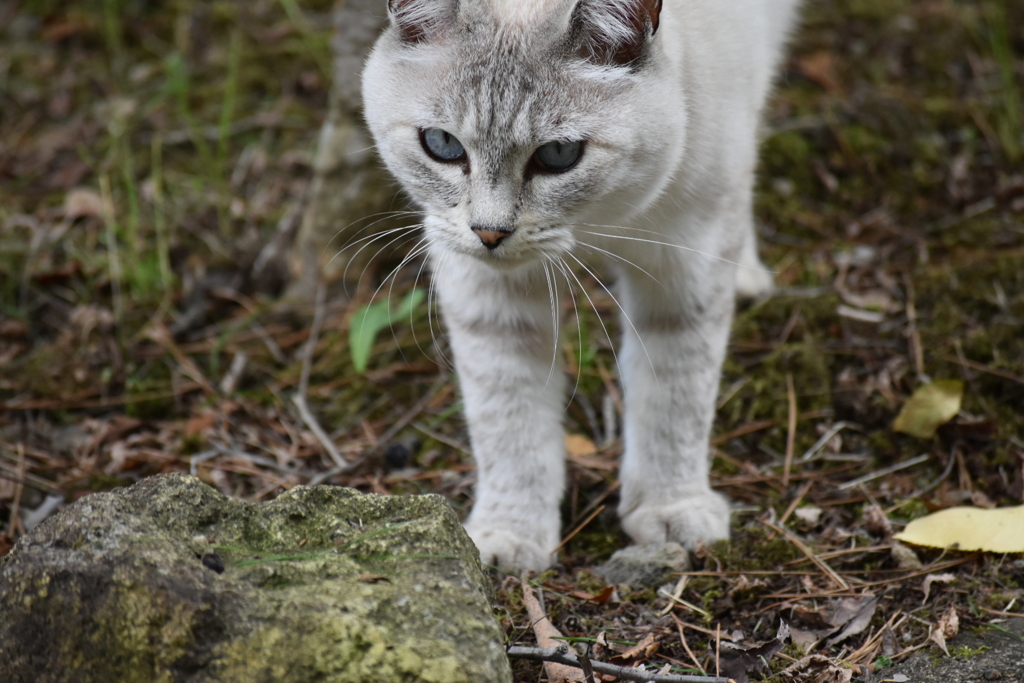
(754, 548)
(307, 614)
(966, 652)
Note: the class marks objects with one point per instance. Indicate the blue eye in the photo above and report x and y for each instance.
(558, 156)
(442, 146)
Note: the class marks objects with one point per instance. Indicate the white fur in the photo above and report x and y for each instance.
(666, 178)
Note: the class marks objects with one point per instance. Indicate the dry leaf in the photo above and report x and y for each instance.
(995, 531)
(600, 598)
(865, 610)
(948, 626)
(578, 446)
(905, 558)
(931, 406)
(373, 578)
(932, 578)
(808, 515)
(825, 669)
(738, 663)
(639, 652)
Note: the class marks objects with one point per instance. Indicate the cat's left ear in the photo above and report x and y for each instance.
(615, 32)
(419, 20)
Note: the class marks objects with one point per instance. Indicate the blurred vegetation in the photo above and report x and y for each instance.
(151, 153)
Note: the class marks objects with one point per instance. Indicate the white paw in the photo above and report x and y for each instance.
(697, 518)
(513, 550)
(753, 279)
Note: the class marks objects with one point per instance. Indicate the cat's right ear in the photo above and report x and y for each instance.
(418, 20)
(615, 32)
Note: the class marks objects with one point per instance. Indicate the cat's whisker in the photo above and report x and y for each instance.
(415, 282)
(381, 216)
(417, 249)
(554, 324)
(407, 229)
(371, 238)
(391, 275)
(620, 258)
(611, 344)
(624, 315)
(352, 241)
(579, 330)
(432, 295)
(667, 244)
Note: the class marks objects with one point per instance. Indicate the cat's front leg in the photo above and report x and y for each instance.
(673, 350)
(501, 330)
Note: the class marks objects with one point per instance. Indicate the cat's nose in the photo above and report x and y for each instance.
(490, 235)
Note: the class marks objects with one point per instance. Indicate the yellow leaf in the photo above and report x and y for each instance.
(931, 406)
(577, 446)
(995, 531)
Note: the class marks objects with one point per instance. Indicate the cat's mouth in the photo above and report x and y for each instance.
(503, 248)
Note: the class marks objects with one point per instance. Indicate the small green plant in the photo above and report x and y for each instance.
(371, 319)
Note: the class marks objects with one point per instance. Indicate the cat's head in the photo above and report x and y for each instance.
(514, 122)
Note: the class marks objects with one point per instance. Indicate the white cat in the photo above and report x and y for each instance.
(537, 135)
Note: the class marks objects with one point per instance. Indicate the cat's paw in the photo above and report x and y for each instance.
(702, 518)
(510, 549)
(753, 280)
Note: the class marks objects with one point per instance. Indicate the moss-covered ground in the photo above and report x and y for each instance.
(150, 153)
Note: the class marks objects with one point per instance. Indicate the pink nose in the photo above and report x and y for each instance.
(491, 238)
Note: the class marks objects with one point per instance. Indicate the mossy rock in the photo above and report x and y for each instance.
(169, 580)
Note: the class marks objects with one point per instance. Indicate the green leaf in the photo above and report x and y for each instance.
(371, 319)
(931, 406)
(410, 303)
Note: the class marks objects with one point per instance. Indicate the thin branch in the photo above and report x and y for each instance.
(820, 563)
(791, 431)
(561, 655)
(299, 399)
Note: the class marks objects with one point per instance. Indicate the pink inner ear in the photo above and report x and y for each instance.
(413, 18)
(638, 16)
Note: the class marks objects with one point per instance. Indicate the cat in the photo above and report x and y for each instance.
(536, 135)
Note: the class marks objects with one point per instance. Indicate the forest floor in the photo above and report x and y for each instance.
(151, 155)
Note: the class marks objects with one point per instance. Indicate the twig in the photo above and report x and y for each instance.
(548, 637)
(984, 368)
(686, 645)
(12, 525)
(765, 424)
(820, 443)
(912, 331)
(883, 472)
(718, 649)
(299, 399)
(441, 438)
(802, 547)
(791, 429)
(413, 412)
(796, 501)
(579, 528)
(32, 480)
(561, 655)
(159, 334)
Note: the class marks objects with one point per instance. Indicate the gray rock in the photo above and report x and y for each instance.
(643, 566)
(169, 580)
(988, 654)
